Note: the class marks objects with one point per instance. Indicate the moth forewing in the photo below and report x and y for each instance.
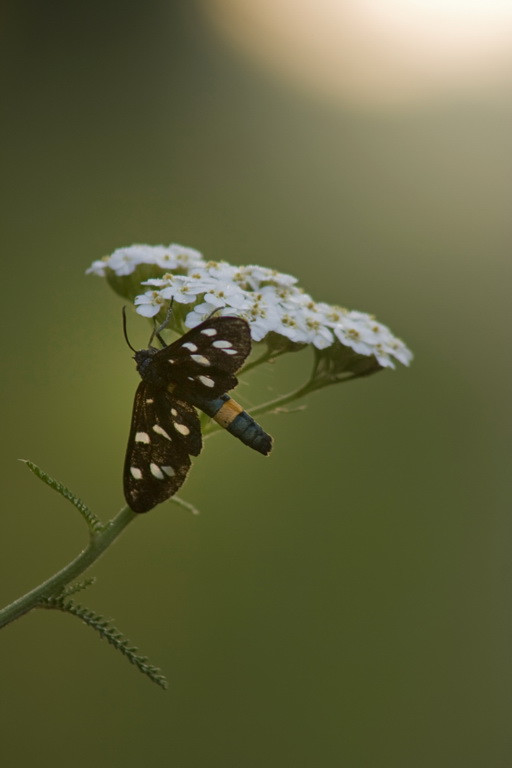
(157, 459)
(202, 363)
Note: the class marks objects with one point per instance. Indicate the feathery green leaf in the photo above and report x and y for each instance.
(90, 518)
(72, 589)
(111, 634)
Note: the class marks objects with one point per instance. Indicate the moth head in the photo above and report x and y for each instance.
(143, 358)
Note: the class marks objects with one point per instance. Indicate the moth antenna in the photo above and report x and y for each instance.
(125, 331)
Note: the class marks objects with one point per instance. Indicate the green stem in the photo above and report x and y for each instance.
(272, 405)
(311, 386)
(267, 355)
(283, 400)
(270, 355)
(98, 543)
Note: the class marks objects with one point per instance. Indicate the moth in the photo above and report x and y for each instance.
(195, 371)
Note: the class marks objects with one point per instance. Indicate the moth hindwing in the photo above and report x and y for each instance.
(197, 368)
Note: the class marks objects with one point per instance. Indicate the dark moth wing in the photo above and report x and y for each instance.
(202, 363)
(164, 432)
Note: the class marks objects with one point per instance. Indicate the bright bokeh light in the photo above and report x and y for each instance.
(377, 52)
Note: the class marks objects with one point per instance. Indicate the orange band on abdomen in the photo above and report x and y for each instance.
(228, 413)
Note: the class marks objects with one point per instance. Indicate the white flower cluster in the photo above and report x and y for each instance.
(124, 261)
(270, 301)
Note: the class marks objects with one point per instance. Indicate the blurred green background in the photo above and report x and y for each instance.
(348, 600)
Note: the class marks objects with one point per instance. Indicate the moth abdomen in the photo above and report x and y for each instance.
(231, 416)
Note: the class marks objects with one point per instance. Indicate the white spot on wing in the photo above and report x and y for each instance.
(135, 473)
(189, 345)
(209, 331)
(174, 412)
(229, 351)
(156, 471)
(160, 431)
(200, 359)
(206, 381)
(149, 400)
(182, 429)
(142, 437)
(221, 344)
(168, 471)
